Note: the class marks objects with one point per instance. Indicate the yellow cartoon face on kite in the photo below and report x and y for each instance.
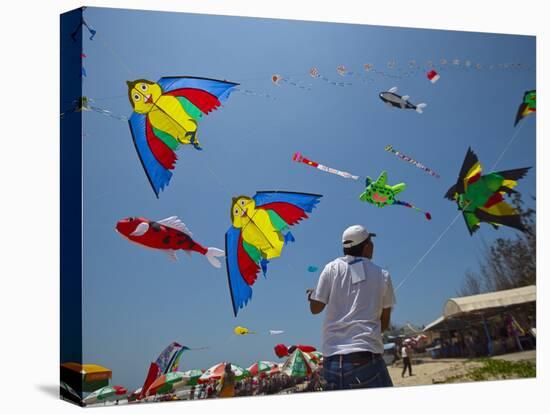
(239, 209)
(260, 229)
(143, 95)
(166, 115)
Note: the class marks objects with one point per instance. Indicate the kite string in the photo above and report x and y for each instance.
(419, 262)
(499, 158)
(118, 58)
(507, 147)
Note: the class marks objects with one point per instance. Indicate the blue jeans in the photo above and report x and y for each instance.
(341, 374)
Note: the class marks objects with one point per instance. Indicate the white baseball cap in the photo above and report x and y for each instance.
(355, 235)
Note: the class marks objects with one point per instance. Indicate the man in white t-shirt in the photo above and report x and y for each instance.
(358, 297)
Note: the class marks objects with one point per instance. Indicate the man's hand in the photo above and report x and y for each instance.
(314, 306)
(385, 319)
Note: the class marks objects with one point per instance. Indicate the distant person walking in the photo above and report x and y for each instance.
(406, 355)
(227, 383)
(358, 296)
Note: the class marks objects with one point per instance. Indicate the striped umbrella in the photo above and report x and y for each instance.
(167, 383)
(317, 355)
(261, 366)
(276, 369)
(298, 364)
(316, 358)
(193, 375)
(116, 392)
(216, 372)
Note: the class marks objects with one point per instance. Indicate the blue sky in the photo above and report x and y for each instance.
(136, 301)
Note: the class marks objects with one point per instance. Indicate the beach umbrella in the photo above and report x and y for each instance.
(108, 393)
(261, 366)
(68, 393)
(276, 369)
(193, 375)
(298, 364)
(216, 372)
(167, 383)
(316, 356)
(134, 395)
(313, 361)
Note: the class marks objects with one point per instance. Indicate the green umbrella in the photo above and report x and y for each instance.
(259, 367)
(105, 394)
(298, 364)
(216, 372)
(193, 375)
(167, 383)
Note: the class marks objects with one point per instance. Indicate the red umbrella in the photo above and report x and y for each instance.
(282, 350)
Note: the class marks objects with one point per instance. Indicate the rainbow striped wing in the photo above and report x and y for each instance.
(157, 158)
(242, 270)
(197, 95)
(287, 206)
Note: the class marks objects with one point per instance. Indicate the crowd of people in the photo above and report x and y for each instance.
(251, 386)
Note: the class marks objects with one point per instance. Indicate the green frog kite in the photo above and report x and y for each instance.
(380, 194)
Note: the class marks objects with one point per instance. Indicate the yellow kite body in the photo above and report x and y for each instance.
(169, 116)
(257, 228)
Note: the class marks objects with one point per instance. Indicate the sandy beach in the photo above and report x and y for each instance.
(437, 371)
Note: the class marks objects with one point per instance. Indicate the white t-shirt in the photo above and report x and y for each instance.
(404, 352)
(355, 291)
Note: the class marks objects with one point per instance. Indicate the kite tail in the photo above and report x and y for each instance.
(409, 205)
(419, 108)
(212, 255)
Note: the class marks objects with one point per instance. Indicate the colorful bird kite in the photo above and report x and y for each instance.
(380, 194)
(260, 228)
(528, 106)
(410, 160)
(402, 102)
(169, 235)
(481, 197)
(166, 115)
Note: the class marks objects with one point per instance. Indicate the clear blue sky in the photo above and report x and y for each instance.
(136, 300)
